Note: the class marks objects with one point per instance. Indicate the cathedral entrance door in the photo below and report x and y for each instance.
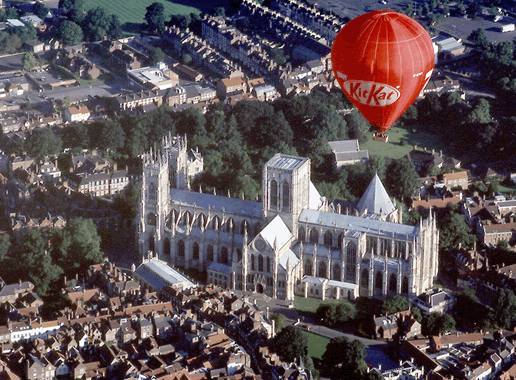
(259, 288)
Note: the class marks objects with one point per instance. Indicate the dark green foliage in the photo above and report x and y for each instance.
(290, 344)
(156, 56)
(344, 359)
(279, 320)
(43, 143)
(40, 10)
(504, 309)
(26, 33)
(155, 17)
(437, 324)
(402, 179)
(454, 231)
(394, 304)
(332, 314)
(96, 24)
(77, 246)
(70, 33)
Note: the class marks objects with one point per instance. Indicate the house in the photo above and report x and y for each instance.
(434, 300)
(230, 86)
(39, 368)
(423, 160)
(77, 114)
(347, 152)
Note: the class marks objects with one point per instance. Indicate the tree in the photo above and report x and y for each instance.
(402, 178)
(504, 309)
(43, 143)
(394, 304)
(155, 17)
(186, 58)
(344, 359)
(279, 320)
(29, 61)
(40, 10)
(10, 43)
(416, 314)
(115, 27)
(5, 245)
(96, 24)
(290, 344)
(75, 9)
(70, 33)
(437, 324)
(454, 231)
(77, 246)
(480, 114)
(157, 55)
(26, 33)
(332, 314)
(478, 37)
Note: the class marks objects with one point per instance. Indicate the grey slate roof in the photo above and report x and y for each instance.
(220, 268)
(286, 162)
(375, 199)
(365, 225)
(216, 202)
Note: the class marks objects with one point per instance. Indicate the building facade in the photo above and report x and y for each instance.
(292, 242)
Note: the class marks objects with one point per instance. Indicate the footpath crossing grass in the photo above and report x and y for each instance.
(316, 344)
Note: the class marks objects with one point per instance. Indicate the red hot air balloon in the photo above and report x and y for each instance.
(382, 61)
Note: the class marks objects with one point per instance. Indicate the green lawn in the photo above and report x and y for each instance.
(310, 305)
(316, 344)
(132, 12)
(410, 135)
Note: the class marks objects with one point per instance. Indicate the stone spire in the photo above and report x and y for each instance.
(375, 199)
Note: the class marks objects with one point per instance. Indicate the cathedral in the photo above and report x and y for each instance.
(292, 242)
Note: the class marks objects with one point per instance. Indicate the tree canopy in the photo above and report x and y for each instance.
(155, 17)
(344, 359)
(437, 324)
(290, 344)
(70, 33)
(402, 179)
(332, 314)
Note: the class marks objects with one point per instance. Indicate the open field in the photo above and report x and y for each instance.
(310, 305)
(410, 135)
(316, 344)
(132, 12)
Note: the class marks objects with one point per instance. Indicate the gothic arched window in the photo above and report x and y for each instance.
(286, 196)
(301, 235)
(314, 236)
(339, 240)
(181, 248)
(308, 267)
(322, 269)
(152, 192)
(239, 254)
(151, 219)
(224, 257)
(274, 193)
(336, 272)
(252, 262)
(378, 282)
(393, 283)
(351, 261)
(328, 238)
(404, 285)
(209, 253)
(268, 264)
(260, 263)
(166, 246)
(195, 251)
(364, 281)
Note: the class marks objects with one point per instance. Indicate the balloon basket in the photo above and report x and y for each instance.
(382, 137)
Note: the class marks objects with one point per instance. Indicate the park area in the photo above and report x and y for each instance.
(132, 12)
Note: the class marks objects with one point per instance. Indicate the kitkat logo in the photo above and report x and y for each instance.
(371, 93)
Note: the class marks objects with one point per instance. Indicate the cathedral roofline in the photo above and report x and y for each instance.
(366, 225)
(216, 203)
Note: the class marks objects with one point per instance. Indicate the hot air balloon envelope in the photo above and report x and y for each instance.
(382, 61)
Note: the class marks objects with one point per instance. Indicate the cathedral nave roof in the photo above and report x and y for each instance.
(366, 225)
(217, 203)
